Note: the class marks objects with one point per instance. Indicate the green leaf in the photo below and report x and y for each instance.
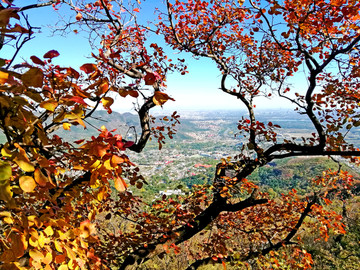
(5, 171)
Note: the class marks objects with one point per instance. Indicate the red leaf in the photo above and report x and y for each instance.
(73, 73)
(88, 68)
(128, 144)
(37, 60)
(51, 54)
(77, 100)
(136, 10)
(150, 78)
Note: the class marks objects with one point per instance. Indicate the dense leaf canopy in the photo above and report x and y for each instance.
(68, 204)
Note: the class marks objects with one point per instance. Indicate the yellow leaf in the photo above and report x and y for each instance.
(27, 183)
(5, 151)
(36, 255)
(23, 162)
(49, 231)
(43, 240)
(33, 77)
(48, 258)
(101, 194)
(49, 105)
(5, 191)
(160, 98)
(107, 165)
(24, 165)
(66, 126)
(5, 171)
(40, 178)
(3, 77)
(5, 214)
(58, 246)
(70, 253)
(95, 164)
(8, 220)
(107, 102)
(34, 220)
(33, 241)
(120, 184)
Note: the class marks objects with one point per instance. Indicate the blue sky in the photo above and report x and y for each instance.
(198, 90)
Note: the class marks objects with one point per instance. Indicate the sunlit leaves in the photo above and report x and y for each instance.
(49, 105)
(120, 184)
(40, 178)
(107, 102)
(66, 126)
(27, 183)
(160, 98)
(24, 163)
(87, 228)
(3, 77)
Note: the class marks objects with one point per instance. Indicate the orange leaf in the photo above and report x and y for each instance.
(115, 159)
(70, 253)
(120, 184)
(40, 178)
(48, 259)
(102, 88)
(160, 98)
(66, 126)
(78, 16)
(27, 183)
(36, 255)
(49, 105)
(3, 77)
